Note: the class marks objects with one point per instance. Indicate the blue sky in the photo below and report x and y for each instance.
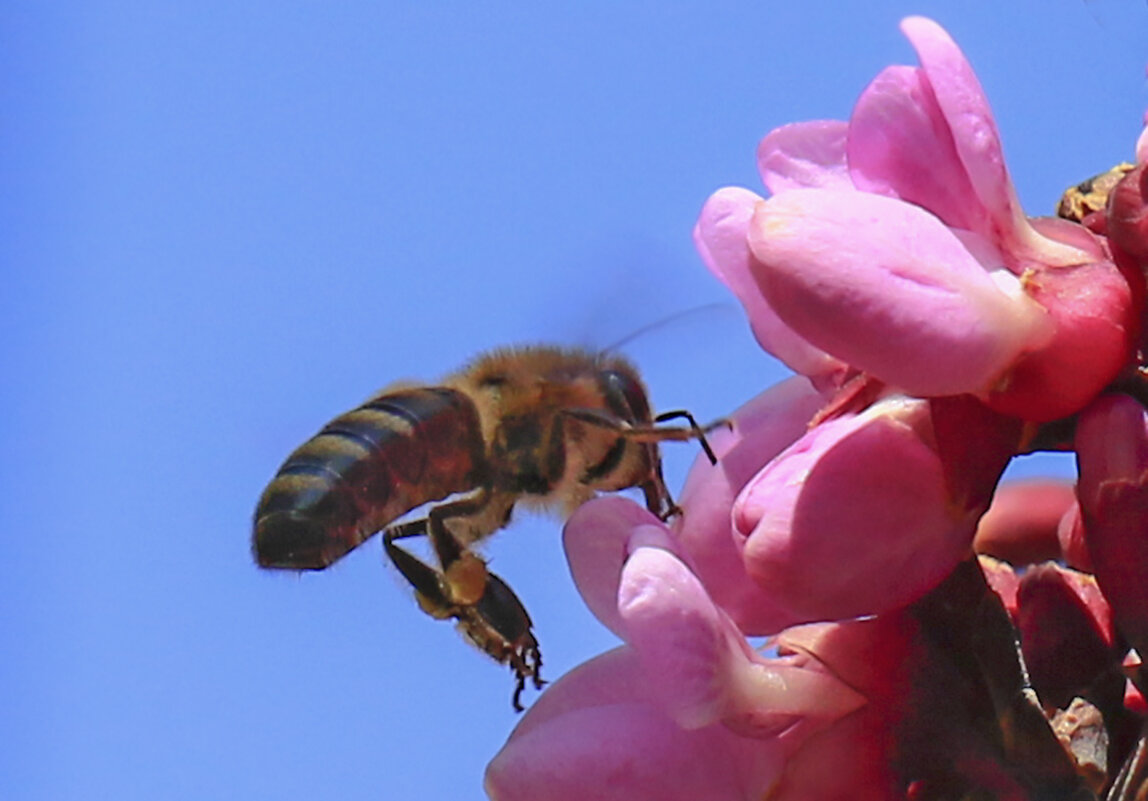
(225, 223)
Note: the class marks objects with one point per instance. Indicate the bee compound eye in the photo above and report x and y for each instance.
(291, 540)
(625, 395)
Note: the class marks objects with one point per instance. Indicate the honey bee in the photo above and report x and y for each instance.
(543, 426)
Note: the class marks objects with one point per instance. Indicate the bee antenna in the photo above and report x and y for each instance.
(663, 321)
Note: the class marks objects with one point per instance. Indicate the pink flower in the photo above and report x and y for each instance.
(593, 735)
(862, 709)
(868, 512)
(939, 332)
(762, 428)
(895, 244)
(685, 710)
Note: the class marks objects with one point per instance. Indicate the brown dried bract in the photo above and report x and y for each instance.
(1091, 196)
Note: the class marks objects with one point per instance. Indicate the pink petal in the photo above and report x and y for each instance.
(965, 108)
(1112, 443)
(853, 519)
(762, 428)
(805, 154)
(873, 655)
(720, 237)
(849, 760)
(630, 751)
(615, 677)
(900, 146)
(886, 287)
(962, 101)
(699, 666)
(679, 635)
(975, 444)
(595, 538)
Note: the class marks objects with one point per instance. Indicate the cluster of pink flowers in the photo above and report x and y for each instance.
(936, 331)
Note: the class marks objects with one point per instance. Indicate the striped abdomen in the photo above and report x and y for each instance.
(363, 470)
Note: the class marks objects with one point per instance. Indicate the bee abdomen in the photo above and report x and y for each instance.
(364, 469)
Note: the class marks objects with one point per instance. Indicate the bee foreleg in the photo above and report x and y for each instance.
(657, 494)
(652, 433)
(658, 498)
(698, 431)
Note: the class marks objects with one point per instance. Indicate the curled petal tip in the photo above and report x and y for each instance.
(720, 238)
(596, 540)
(805, 154)
(679, 634)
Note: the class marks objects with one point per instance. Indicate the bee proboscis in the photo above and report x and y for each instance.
(541, 425)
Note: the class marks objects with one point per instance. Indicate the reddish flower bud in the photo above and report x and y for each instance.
(1112, 453)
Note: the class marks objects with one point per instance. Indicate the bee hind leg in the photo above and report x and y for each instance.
(463, 575)
(462, 579)
(502, 627)
(491, 616)
(428, 583)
